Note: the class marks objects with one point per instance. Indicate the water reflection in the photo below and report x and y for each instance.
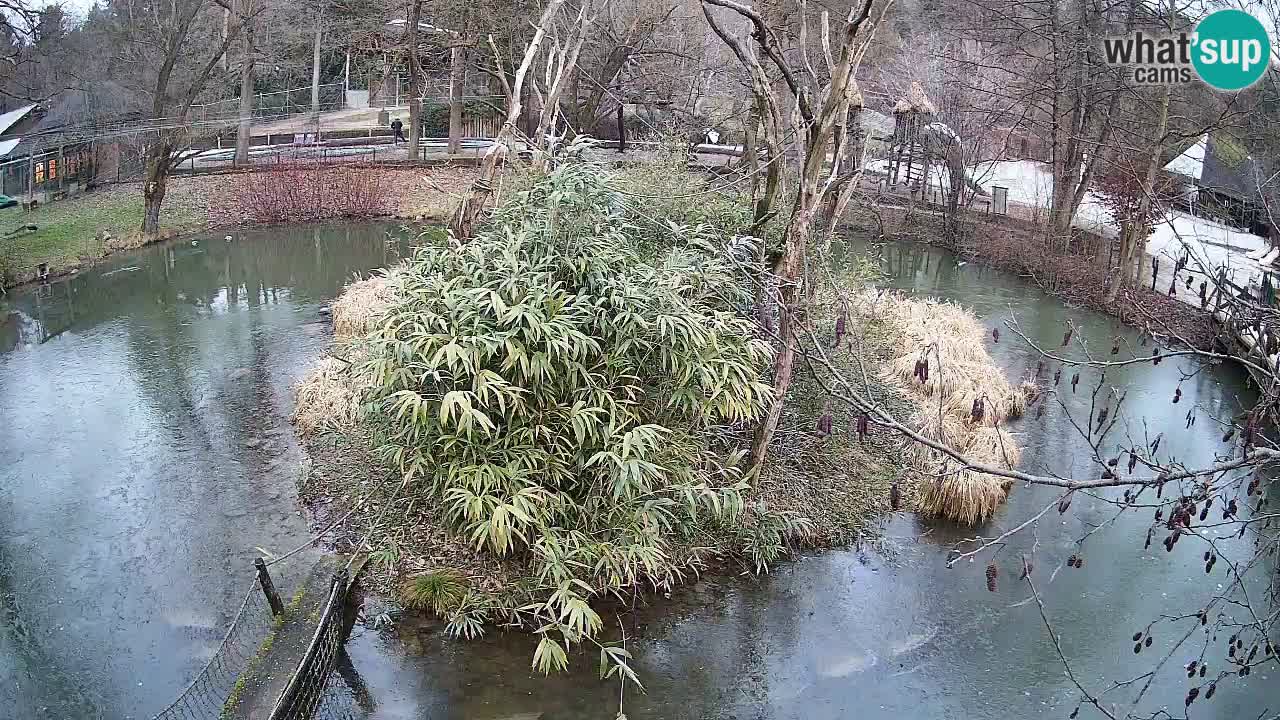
(853, 634)
(145, 453)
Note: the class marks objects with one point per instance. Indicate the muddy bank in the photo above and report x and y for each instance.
(77, 233)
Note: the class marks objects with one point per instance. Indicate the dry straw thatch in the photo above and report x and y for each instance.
(328, 398)
(362, 304)
(953, 343)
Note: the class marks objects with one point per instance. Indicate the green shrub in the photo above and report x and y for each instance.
(560, 384)
(441, 592)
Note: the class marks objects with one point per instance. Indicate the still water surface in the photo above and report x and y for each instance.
(145, 453)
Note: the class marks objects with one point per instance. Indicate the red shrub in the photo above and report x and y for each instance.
(292, 192)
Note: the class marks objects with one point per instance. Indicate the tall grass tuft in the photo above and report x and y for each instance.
(961, 371)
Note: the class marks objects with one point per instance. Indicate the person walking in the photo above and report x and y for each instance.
(397, 130)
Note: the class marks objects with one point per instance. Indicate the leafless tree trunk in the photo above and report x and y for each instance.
(1083, 109)
(155, 185)
(415, 81)
(477, 199)
(821, 105)
(457, 80)
(175, 44)
(1134, 229)
(562, 63)
(315, 66)
(245, 127)
(622, 130)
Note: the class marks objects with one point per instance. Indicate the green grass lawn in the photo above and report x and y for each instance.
(67, 233)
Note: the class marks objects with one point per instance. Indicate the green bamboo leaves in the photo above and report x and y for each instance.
(558, 384)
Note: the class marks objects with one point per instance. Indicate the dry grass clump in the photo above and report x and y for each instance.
(944, 427)
(362, 304)
(951, 342)
(963, 496)
(327, 398)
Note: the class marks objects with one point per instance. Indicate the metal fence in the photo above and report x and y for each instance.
(206, 697)
(310, 693)
(275, 104)
(306, 696)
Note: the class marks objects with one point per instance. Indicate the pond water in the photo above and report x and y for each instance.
(146, 454)
(856, 633)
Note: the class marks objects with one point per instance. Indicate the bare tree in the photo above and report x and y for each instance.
(822, 103)
(247, 64)
(477, 199)
(168, 55)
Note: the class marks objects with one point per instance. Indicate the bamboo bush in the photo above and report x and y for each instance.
(562, 395)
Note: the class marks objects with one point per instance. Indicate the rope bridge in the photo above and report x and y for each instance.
(307, 695)
(218, 690)
(207, 694)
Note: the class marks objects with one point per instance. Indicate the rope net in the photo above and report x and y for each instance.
(207, 695)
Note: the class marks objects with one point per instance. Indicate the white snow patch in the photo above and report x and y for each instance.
(1209, 244)
(1191, 162)
(8, 119)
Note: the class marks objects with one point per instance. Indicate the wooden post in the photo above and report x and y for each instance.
(268, 587)
(622, 131)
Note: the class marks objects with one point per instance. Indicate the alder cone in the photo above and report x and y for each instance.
(992, 574)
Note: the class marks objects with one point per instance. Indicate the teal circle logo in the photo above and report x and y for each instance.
(1232, 50)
